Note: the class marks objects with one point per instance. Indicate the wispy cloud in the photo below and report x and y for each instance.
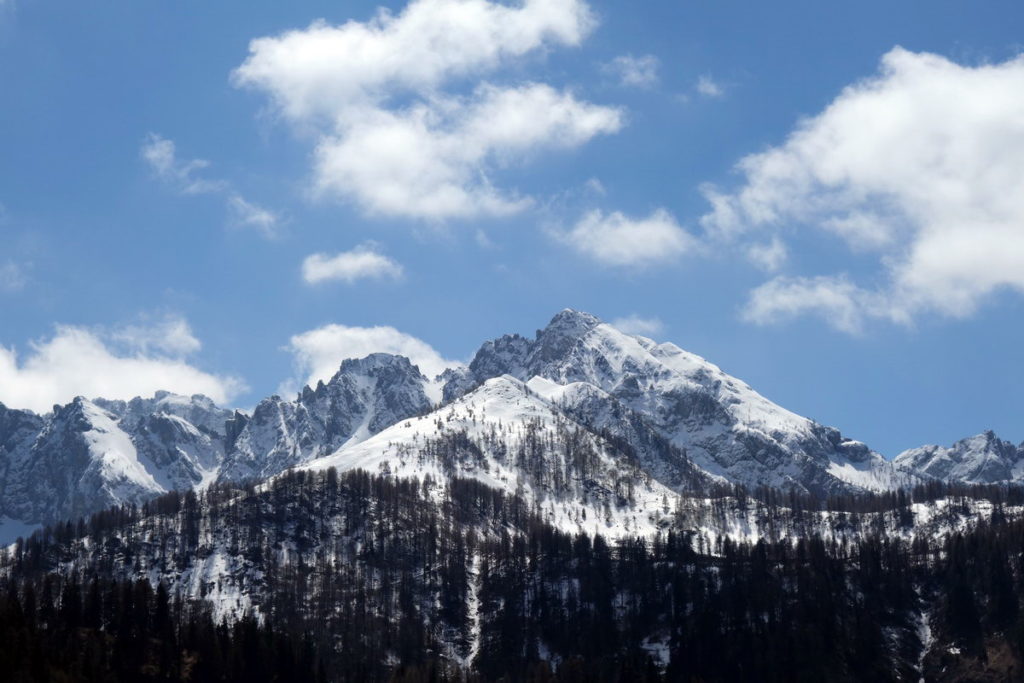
(709, 87)
(632, 71)
(769, 256)
(634, 324)
(12, 276)
(245, 214)
(184, 175)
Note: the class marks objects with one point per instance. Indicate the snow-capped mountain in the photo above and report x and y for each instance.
(80, 461)
(89, 455)
(510, 438)
(628, 406)
(180, 440)
(371, 501)
(981, 459)
(603, 376)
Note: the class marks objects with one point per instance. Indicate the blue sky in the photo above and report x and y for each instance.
(826, 200)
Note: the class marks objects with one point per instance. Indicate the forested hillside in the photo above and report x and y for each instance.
(361, 577)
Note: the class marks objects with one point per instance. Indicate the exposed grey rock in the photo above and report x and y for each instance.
(364, 397)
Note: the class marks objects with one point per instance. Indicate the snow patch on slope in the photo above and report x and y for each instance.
(115, 454)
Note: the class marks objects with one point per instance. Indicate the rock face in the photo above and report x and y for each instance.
(981, 459)
(364, 397)
(181, 440)
(89, 455)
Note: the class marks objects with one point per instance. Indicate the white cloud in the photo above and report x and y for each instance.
(841, 303)
(161, 155)
(172, 335)
(319, 352)
(323, 69)
(617, 240)
(639, 72)
(769, 256)
(363, 262)
(921, 165)
(709, 87)
(482, 240)
(79, 362)
(595, 186)
(12, 276)
(248, 215)
(634, 324)
(426, 161)
(389, 138)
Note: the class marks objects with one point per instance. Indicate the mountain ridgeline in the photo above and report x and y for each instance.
(584, 505)
(670, 417)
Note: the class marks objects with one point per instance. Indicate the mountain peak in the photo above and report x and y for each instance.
(980, 459)
(375, 361)
(987, 440)
(571, 322)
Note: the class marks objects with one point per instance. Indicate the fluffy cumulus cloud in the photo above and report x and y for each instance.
(319, 352)
(637, 72)
(184, 176)
(121, 364)
(426, 161)
(615, 239)
(635, 324)
(922, 166)
(390, 137)
(363, 262)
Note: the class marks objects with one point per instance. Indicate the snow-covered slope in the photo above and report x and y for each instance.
(720, 422)
(181, 440)
(512, 439)
(981, 459)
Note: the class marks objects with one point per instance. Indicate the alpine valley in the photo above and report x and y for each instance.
(582, 505)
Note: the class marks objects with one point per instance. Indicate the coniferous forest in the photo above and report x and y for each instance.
(321, 576)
